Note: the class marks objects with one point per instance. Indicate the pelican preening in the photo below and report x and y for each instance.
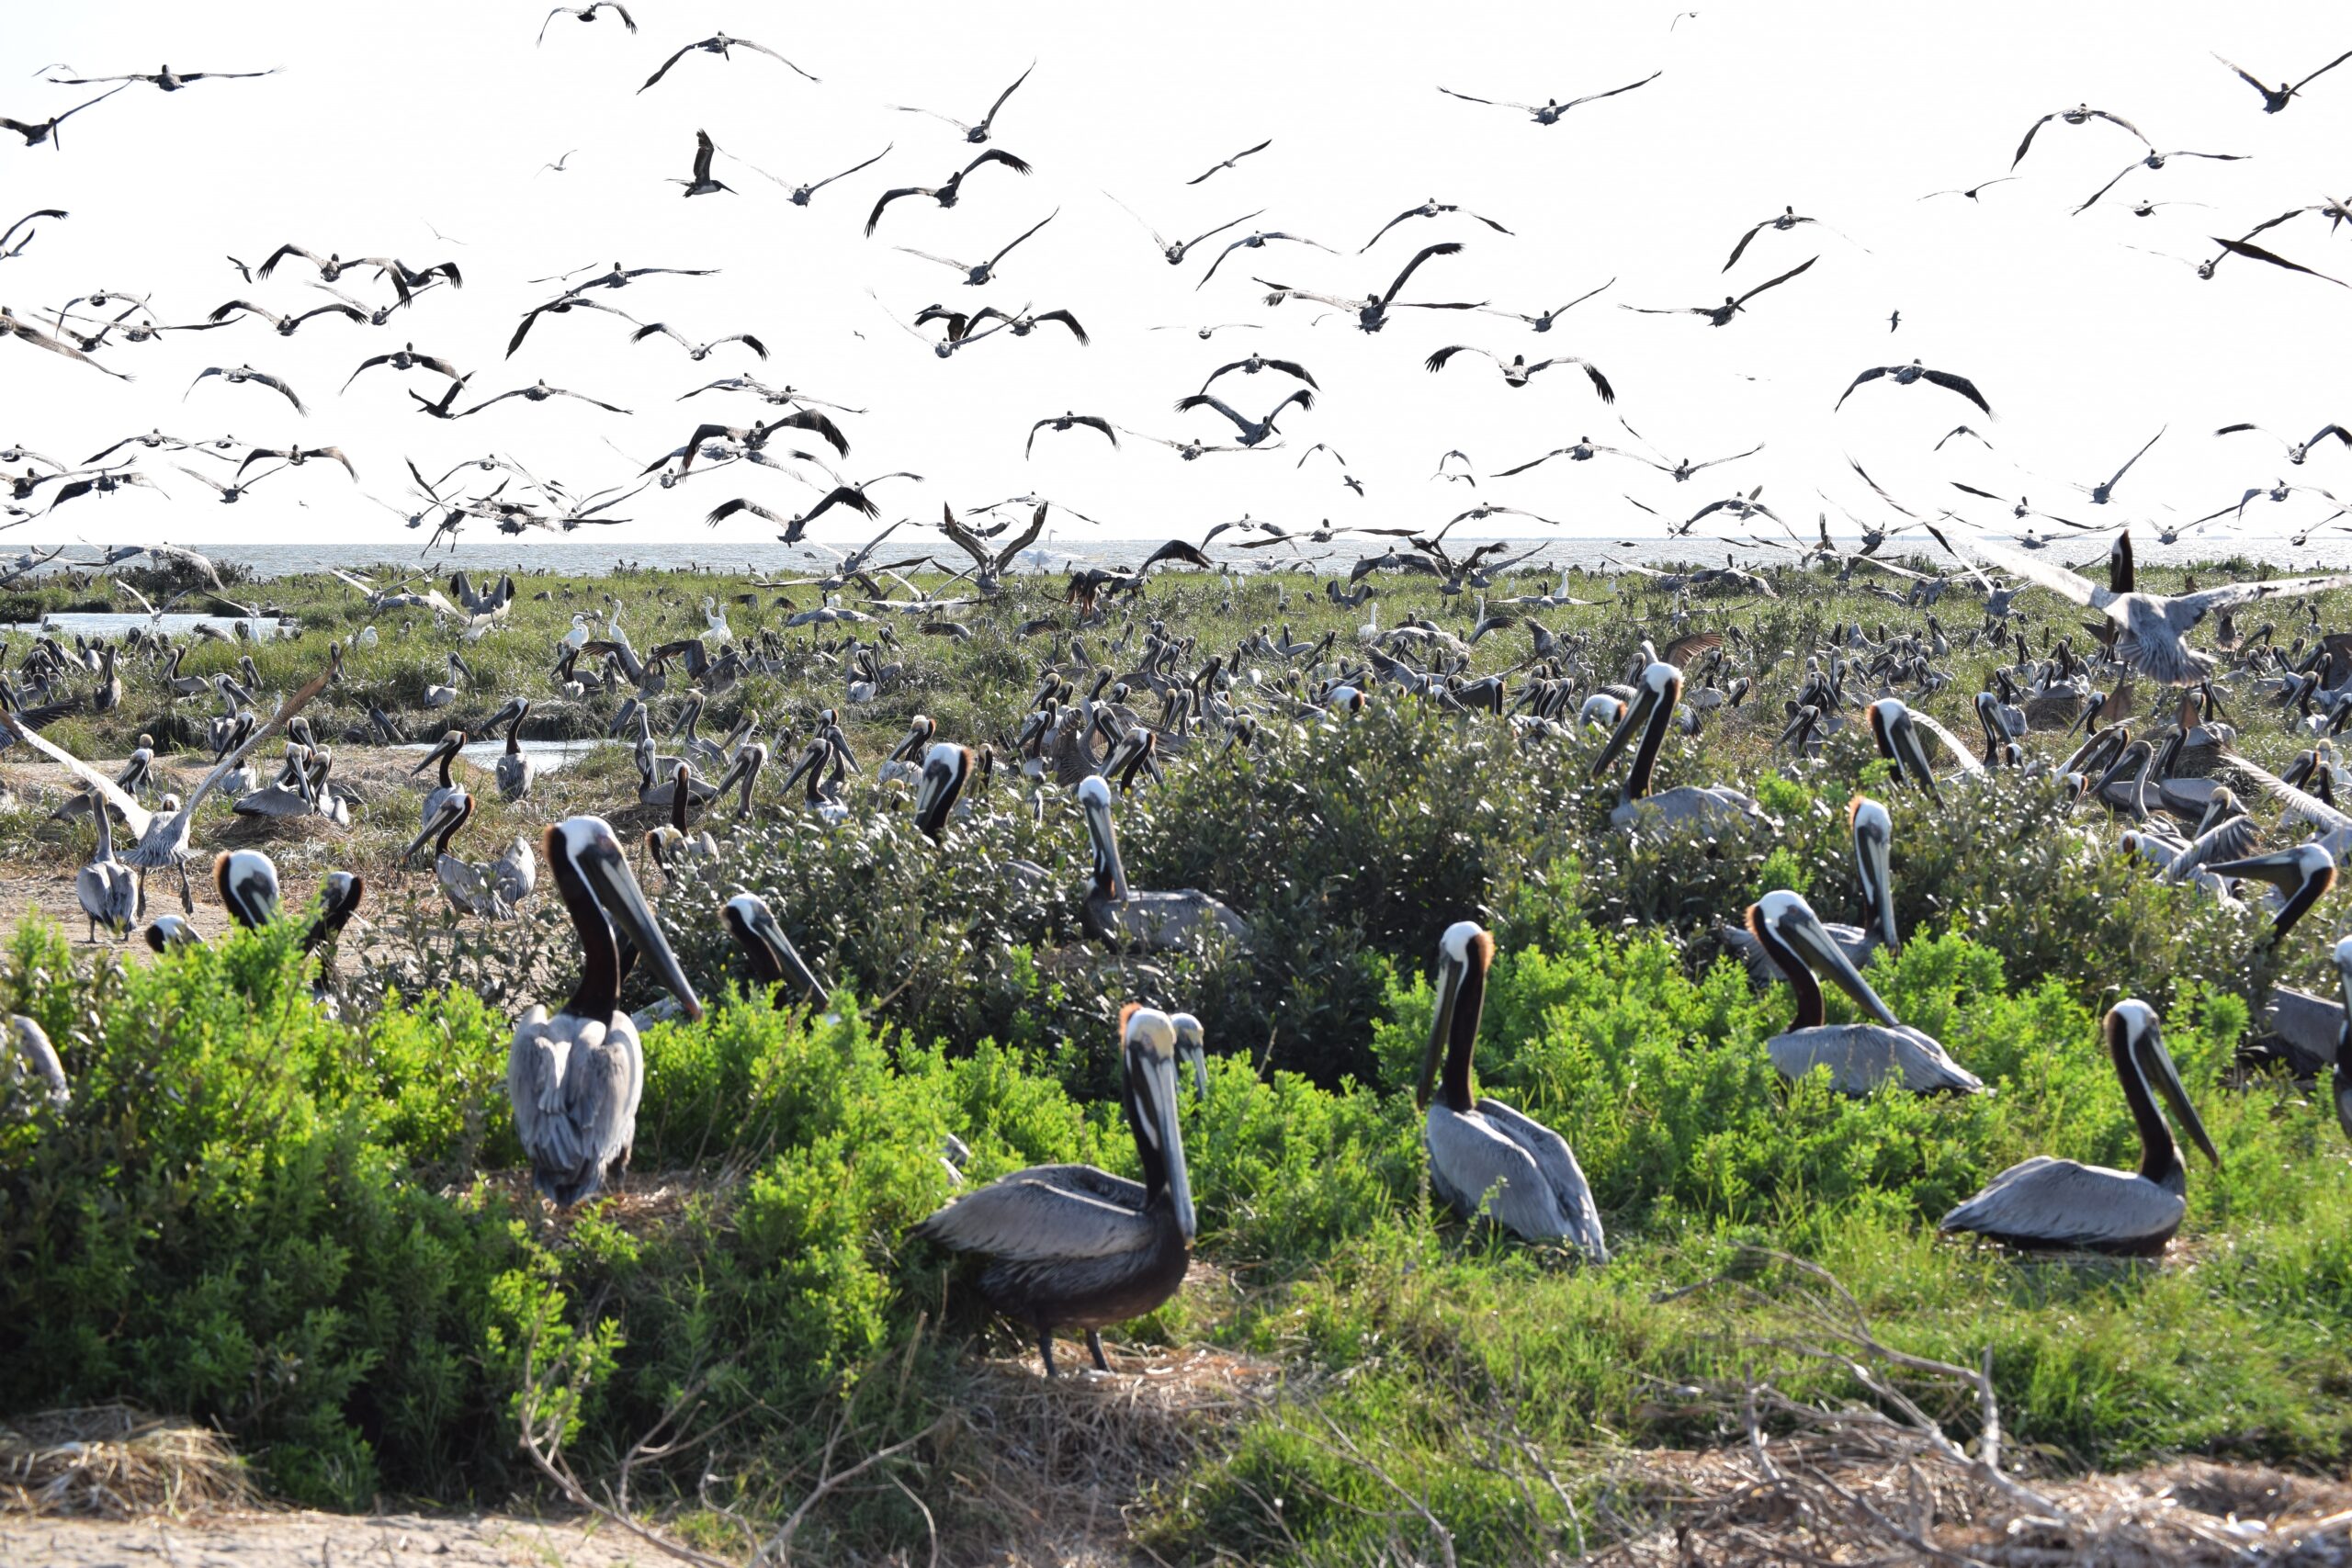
(2060, 1204)
(1486, 1157)
(1861, 1057)
(575, 1076)
(1071, 1246)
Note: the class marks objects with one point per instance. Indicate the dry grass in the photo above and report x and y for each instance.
(115, 1461)
(1688, 1508)
(1063, 1461)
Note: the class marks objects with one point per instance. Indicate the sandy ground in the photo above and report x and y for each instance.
(317, 1540)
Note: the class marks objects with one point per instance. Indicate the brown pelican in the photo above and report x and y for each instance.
(444, 751)
(2047, 1202)
(575, 1077)
(1651, 713)
(904, 764)
(1860, 1056)
(1072, 1246)
(1895, 725)
(1485, 1157)
(1154, 921)
(165, 932)
(769, 952)
(108, 890)
(1873, 833)
(673, 843)
(246, 881)
(2303, 875)
(945, 768)
(515, 769)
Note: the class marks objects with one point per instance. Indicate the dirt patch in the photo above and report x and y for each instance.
(311, 1540)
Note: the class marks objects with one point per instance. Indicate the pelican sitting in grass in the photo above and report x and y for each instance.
(1069, 1245)
(675, 843)
(575, 1076)
(1895, 725)
(1860, 1056)
(1874, 836)
(2060, 1204)
(1114, 912)
(1484, 1155)
(1650, 714)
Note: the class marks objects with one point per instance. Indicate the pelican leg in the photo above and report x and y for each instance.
(187, 893)
(1094, 1344)
(1046, 1349)
(141, 913)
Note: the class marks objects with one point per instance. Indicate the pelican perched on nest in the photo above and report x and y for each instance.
(1650, 714)
(575, 1076)
(1860, 1056)
(1072, 1246)
(1486, 1157)
(2046, 1203)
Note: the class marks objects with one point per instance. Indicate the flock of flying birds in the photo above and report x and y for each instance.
(807, 438)
(1072, 1246)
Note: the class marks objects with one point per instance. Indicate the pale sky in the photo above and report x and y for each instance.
(387, 124)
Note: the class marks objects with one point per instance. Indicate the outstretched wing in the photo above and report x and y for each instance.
(2042, 573)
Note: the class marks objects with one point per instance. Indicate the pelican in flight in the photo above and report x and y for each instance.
(2060, 1203)
(575, 1076)
(1873, 834)
(1650, 714)
(1072, 1246)
(1115, 911)
(1485, 1157)
(1860, 1056)
(2153, 625)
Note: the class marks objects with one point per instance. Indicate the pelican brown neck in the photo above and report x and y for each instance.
(598, 992)
(1794, 970)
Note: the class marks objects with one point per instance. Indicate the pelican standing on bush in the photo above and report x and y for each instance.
(575, 1077)
(1072, 1246)
(1860, 1056)
(2046, 1203)
(1485, 1157)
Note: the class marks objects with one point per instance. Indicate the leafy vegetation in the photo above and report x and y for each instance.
(313, 1232)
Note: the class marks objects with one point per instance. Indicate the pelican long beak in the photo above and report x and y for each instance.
(1106, 846)
(1873, 863)
(451, 810)
(1159, 1079)
(1637, 713)
(1801, 931)
(2303, 874)
(762, 925)
(1192, 1046)
(1898, 737)
(1449, 974)
(607, 872)
(449, 745)
(2155, 1065)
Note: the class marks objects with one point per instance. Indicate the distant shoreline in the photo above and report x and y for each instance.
(581, 558)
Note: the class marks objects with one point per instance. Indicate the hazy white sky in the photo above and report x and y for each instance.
(387, 124)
